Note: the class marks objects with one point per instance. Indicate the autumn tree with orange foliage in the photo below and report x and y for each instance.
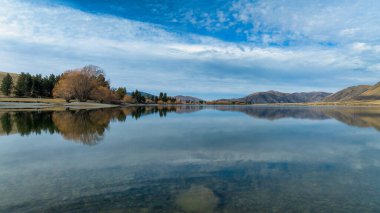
(84, 84)
(63, 88)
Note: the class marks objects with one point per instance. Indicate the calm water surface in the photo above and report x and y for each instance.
(191, 159)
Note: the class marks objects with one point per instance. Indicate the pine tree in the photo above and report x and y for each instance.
(37, 88)
(7, 85)
(24, 85)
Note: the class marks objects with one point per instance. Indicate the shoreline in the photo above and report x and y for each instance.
(60, 104)
(4, 105)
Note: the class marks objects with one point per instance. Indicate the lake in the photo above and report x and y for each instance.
(191, 159)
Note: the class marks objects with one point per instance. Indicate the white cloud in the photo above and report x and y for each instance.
(314, 21)
(38, 38)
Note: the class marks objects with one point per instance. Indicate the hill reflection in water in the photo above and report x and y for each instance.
(89, 126)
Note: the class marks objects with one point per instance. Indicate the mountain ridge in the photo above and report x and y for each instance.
(184, 98)
(272, 96)
(356, 93)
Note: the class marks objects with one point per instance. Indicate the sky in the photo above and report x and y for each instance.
(208, 49)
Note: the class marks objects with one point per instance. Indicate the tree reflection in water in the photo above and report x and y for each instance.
(89, 126)
(6, 123)
(84, 126)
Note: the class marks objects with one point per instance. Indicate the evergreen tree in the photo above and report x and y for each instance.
(121, 92)
(7, 85)
(24, 85)
(165, 97)
(138, 96)
(48, 84)
(37, 86)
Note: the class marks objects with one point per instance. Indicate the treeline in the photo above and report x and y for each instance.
(140, 98)
(83, 84)
(28, 85)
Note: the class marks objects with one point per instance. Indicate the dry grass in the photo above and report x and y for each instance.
(342, 103)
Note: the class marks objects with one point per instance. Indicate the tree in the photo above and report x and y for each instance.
(120, 93)
(37, 88)
(102, 79)
(35, 85)
(24, 85)
(48, 84)
(102, 94)
(165, 97)
(64, 88)
(138, 97)
(82, 84)
(7, 85)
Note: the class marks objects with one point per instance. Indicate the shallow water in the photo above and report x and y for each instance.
(191, 159)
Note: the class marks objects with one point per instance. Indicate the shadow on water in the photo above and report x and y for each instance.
(89, 126)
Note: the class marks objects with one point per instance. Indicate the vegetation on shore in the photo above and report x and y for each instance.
(84, 84)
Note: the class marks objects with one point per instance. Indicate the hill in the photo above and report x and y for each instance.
(278, 97)
(145, 94)
(185, 99)
(356, 93)
(372, 93)
(3, 74)
(350, 93)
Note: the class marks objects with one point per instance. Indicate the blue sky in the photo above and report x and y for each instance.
(210, 49)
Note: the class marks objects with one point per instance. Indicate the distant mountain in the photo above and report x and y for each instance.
(182, 98)
(350, 93)
(372, 93)
(279, 97)
(145, 94)
(356, 93)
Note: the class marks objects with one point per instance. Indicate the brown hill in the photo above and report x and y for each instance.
(279, 97)
(185, 99)
(372, 93)
(356, 93)
(350, 93)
